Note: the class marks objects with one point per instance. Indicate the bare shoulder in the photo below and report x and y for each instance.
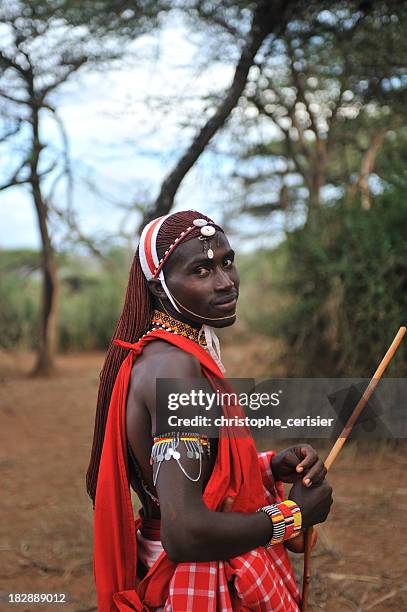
(161, 359)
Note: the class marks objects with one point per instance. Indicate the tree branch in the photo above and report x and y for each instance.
(7, 96)
(42, 93)
(265, 20)
(69, 218)
(287, 138)
(67, 170)
(211, 14)
(12, 132)
(299, 86)
(7, 62)
(260, 210)
(14, 179)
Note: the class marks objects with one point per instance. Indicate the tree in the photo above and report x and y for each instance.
(267, 18)
(326, 106)
(273, 44)
(44, 43)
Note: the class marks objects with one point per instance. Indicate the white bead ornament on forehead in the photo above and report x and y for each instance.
(208, 230)
(199, 222)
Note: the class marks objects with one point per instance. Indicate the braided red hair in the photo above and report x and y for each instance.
(133, 323)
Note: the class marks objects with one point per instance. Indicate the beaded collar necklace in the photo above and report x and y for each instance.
(162, 320)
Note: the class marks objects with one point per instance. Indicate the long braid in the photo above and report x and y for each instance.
(133, 323)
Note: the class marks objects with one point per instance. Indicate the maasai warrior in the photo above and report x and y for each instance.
(214, 523)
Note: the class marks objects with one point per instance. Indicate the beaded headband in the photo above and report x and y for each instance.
(153, 268)
(150, 263)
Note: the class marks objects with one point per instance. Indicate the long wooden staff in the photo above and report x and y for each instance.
(335, 452)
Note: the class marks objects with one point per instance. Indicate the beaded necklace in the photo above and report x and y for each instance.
(162, 320)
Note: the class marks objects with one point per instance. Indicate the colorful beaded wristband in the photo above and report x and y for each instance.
(295, 520)
(286, 518)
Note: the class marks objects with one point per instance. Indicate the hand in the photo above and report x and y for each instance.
(314, 502)
(298, 461)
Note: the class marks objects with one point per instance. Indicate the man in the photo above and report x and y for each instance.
(213, 517)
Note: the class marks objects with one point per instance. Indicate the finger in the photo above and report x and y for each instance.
(291, 460)
(290, 457)
(320, 475)
(310, 458)
(316, 474)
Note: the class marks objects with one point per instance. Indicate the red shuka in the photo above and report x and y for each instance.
(263, 578)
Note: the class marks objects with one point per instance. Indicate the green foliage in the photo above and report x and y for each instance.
(260, 299)
(315, 104)
(100, 18)
(345, 285)
(89, 313)
(91, 300)
(18, 297)
(18, 321)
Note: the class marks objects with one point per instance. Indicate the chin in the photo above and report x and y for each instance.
(224, 323)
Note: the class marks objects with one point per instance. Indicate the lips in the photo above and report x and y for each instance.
(226, 303)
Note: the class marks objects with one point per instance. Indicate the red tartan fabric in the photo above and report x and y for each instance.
(260, 580)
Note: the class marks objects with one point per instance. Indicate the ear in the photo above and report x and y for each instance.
(156, 288)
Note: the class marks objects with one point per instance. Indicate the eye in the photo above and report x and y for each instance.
(202, 272)
(228, 262)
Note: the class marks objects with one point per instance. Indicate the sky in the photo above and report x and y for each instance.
(122, 145)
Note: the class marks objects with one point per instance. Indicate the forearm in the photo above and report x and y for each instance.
(211, 536)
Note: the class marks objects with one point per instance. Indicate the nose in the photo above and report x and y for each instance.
(223, 282)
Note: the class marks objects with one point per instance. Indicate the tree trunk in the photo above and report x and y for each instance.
(361, 185)
(367, 167)
(317, 180)
(266, 19)
(45, 362)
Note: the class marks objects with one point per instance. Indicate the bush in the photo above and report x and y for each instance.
(19, 298)
(88, 316)
(90, 304)
(346, 284)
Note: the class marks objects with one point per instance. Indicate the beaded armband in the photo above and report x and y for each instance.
(167, 447)
(286, 519)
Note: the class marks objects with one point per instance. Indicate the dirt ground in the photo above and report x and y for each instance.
(360, 562)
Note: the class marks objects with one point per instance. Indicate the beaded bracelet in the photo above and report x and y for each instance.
(286, 519)
(293, 518)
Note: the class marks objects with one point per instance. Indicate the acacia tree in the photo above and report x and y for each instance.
(44, 43)
(272, 24)
(327, 94)
(266, 19)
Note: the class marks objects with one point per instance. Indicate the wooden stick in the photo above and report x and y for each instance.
(365, 398)
(336, 449)
(306, 580)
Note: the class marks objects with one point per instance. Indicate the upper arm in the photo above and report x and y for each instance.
(169, 362)
(173, 363)
(179, 484)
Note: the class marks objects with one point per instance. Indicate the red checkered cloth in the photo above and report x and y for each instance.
(259, 580)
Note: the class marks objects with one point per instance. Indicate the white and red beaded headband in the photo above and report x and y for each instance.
(152, 267)
(149, 261)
